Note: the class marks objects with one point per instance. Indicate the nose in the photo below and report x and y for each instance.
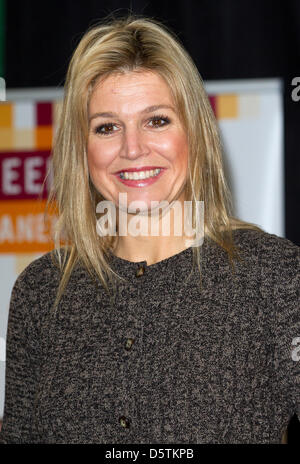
(134, 144)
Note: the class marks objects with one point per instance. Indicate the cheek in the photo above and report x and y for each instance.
(98, 158)
(174, 148)
(180, 152)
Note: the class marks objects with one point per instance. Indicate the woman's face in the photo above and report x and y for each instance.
(134, 128)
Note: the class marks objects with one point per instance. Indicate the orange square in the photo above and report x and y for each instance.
(6, 139)
(5, 115)
(43, 137)
(24, 228)
(227, 106)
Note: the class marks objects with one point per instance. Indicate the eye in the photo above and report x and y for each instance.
(159, 121)
(105, 129)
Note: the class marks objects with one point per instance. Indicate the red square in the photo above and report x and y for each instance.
(44, 114)
(212, 100)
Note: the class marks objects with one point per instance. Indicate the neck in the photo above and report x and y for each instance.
(153, 238)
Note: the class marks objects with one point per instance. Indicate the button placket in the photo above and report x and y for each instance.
(125, 422)
(140, 271)
(128, 344)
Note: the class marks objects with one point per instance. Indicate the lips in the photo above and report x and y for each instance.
(142, 168)
(138, 183)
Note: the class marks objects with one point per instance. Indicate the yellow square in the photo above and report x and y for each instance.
(24, 139)
(227, 106)
(43, 137)
(6, 139)
(5, 115)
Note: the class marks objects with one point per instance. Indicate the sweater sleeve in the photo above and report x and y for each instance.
(287, 326)
(22, 365)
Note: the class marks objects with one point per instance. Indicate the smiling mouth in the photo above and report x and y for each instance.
(139, 175)
(140, 178)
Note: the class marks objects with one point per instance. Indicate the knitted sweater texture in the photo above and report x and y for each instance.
(168, 361)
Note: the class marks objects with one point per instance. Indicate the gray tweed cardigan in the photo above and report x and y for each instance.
(167, 362)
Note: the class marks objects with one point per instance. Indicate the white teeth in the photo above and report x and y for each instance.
(140, 174)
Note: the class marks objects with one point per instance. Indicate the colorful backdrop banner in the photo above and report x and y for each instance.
(250, 117)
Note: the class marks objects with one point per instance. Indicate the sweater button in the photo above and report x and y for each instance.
(124, 422)
(140, 271)
(129, 343)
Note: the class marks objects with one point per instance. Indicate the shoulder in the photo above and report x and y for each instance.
(31, 296)
(266, 246)
(276, 260)
(40, 273)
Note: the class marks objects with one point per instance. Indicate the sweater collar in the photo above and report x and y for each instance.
(173, 266)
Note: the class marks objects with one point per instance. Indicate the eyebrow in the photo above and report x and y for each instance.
(149, 109)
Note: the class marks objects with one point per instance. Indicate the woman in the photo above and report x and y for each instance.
(127, 338)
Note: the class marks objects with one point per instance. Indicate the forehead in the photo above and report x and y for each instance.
(124, 90)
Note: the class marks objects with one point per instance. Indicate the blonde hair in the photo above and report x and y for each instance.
(132, 43)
